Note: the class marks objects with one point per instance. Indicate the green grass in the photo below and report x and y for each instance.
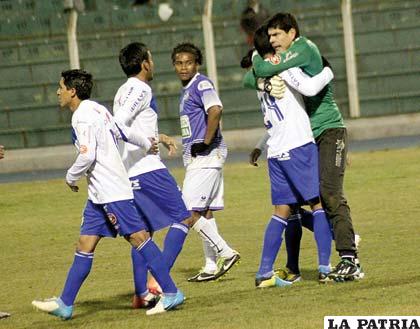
(40, 225)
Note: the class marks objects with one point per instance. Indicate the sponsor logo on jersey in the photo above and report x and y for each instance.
(290, 55)
(275, 59)
(203, 85)
(138, 101)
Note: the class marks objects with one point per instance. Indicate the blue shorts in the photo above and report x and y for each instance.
(159, 199)
(106, 220)
(294, 176)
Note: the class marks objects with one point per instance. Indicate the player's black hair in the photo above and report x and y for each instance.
(246, 61)
(80, 80)
(284, 21)
(132, 56)
(262, 41)
(190, 48)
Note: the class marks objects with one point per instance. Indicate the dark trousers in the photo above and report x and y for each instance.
(332, 148)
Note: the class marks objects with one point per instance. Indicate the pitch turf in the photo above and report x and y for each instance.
(40, 222)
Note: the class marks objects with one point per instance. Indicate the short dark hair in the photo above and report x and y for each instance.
(188, 47)
(262, 41)
(284, 21)
(79, 80)
(132, 56)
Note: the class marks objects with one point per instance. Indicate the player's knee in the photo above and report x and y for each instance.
(87, 243)
(330, 200)
(190, 221)
(137, 238)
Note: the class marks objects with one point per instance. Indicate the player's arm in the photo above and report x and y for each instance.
(135, 137)
(214, 115)
(86, 156)
(256, 152)
(306, 85)
(250, 80)
(298, 55)
(169, 143)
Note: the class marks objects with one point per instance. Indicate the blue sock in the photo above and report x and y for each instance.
(78, 272)
(272, 243)
(153, 256)
(139, 272)
(293, 235)
(323, 237)
(174, 242)
(307, 219)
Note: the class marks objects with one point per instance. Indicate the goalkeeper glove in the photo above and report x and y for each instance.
(198, 148)
(275, 86)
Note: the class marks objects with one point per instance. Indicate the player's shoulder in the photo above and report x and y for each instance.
(203, 83)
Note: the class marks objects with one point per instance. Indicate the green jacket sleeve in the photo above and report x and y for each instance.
(298, 55)
(249, 80)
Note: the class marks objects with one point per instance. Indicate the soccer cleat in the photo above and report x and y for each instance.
(166, 303)
(324, 278)
(346, 270)
(4, 315)
(150, 300)
(273, 281)
(225, 264)
(54, 306)
(287, 275)
(202, 276)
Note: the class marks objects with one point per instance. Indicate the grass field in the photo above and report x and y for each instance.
(40, 224)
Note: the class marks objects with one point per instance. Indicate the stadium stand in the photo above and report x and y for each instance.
(33, 52)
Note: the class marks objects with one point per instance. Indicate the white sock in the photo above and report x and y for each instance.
(206, 229)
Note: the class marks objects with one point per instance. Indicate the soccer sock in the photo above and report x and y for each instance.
(174, 242)
(208, 233)
(78, 272)
(307, 219)
(153, 256)
(210, 254)
(293, 235)
(323, 237)
(272, 243)
(139, 273)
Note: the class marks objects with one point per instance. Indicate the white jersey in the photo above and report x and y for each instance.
(134, 106)
(286, 120)
(94, 135)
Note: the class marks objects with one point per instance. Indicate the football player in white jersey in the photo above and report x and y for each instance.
(293, 165)
(156, 193)
(110, 207)
(204, 153)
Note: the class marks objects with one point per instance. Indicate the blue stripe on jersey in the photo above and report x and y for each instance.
(73, 136)
(124, 137)
(153, 105)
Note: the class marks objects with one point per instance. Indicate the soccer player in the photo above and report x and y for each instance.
(293, 163)
(110, 207)
(329, 131)
(204, 153)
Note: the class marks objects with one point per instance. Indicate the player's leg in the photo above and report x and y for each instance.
(124, 215)
(281, 196)
(332, 146)
(204, 188)
(94, 225)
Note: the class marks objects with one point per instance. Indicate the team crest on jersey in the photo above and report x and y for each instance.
(290, 55)
(275, 59)
(203, 85)
(112, 218)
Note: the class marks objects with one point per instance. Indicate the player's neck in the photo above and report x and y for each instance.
(74, 105)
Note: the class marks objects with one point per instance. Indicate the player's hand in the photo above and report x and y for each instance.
(325, 62)
(154, 148)
(275, 86)
(198, 148)
(169, 144)
(253, 157)
(74, 188)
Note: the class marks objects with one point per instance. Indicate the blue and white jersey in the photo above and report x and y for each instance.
(95, 137)
(196, 99)
(135, 107)
(286, 120)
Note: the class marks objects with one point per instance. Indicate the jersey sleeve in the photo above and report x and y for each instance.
(304, 84)
(208, 95)
(249, 80)
(86, 154)
(298, 55)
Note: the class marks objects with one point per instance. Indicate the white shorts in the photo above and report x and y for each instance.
(203, 189)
